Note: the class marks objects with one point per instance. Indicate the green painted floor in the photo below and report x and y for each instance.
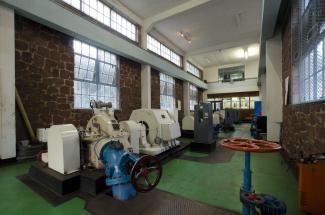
(215, 184)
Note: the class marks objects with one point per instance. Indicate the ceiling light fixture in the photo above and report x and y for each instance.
(246, 54)
(186, 35)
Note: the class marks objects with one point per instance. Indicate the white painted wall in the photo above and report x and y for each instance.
(7, 83)
(235, 87)
(274, 98)
(251, 70)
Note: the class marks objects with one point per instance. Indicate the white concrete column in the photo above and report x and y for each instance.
(145, 86)
(145, 75)
(143, 38)
(274, 97)
(185, 58)
(205, 96)
(186, 97)
(7, 83)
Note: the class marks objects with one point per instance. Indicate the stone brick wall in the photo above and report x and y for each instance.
(130, 88)
(303, 127)
(155, 89)
(44, 78)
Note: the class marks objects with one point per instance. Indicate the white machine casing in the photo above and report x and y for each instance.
(161, 130)
(101, 128)
(63, 148)
(188, 123)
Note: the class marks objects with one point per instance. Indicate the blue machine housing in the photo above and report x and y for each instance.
(115, 159)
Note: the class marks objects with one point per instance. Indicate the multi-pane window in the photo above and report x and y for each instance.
(160, 49)
(167, 92)
(312, 48)
(95, 75)
(193, 96)
(229, 74)
(312, 75)
(74, 3)
(192, 69)
(99, 11)
(246, 102)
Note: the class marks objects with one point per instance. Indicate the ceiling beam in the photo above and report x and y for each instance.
(270, 13)
(149, 22)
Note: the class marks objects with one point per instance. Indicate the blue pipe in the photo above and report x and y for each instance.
(115, 159)
(247, 186)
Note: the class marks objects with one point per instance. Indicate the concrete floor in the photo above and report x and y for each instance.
(215, 184)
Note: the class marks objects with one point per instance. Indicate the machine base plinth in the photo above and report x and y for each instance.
(156, 150)
(93, 181)
(188, 133)
(203, 147)
(54, 181)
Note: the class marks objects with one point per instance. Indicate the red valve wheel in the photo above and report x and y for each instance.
(146, 173)
(250, 145)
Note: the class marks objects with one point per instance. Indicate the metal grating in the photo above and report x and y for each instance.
(308, 39)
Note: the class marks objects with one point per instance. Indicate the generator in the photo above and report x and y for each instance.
(105, 144)
(162, 130)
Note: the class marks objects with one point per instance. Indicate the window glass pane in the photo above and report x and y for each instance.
(228, 74)
(235, 102)
(74, 3)
(167, 92)
(192, 69)
(95, 76)
(320, 56)
(244, 102)
(252, 101)
(160, 49)
(193, 96)
(226, 103)
(319, 87)
(102, 13)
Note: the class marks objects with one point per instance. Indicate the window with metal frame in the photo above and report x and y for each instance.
(160, 49)
(193, 96)
(167, 92)
(236, 73)
(99, 11)
(192, 69)
(311, 48)
(95, 75)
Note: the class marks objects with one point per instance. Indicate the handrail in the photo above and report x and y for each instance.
(220, 82)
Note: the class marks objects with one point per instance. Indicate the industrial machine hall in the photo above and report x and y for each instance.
(162, 107)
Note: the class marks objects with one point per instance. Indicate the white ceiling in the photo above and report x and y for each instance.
(213, 25)
(226, 56)
(148, 8)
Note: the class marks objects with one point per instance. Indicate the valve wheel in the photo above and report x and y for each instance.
(250, 145)
(147, 169)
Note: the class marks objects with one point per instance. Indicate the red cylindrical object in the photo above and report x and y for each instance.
(312, 188)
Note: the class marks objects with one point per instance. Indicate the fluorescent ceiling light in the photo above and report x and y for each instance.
(240, 53)
(252, 51)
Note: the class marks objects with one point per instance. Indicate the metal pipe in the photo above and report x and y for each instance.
(247, 186)
(24, 115)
